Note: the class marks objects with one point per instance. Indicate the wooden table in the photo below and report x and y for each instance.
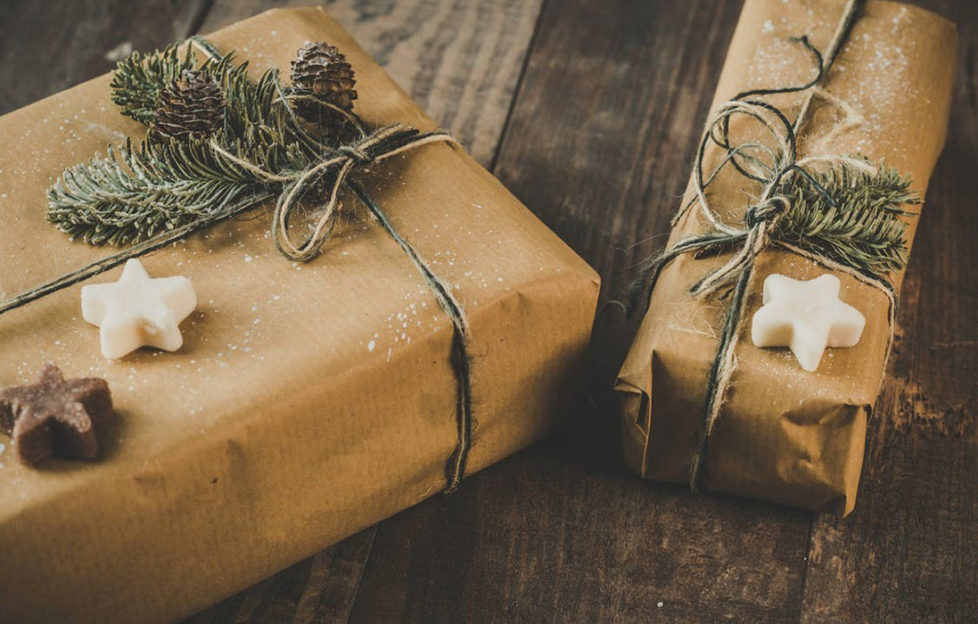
(589, 110)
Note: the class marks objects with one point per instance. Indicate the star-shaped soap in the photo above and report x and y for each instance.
(806, 316)
(138, 310)
(55, 416)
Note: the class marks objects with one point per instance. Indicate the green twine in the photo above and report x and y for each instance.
(460, 361)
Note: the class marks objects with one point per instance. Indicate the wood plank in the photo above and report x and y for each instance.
(551, 536)
(49, 46)
(909, 552)
(600, 140)
(460, 59)
(317, 590)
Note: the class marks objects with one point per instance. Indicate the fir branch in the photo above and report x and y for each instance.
(862, 229)
(259, 123)
(130, 194)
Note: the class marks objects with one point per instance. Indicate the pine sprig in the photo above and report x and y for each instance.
(260, 126)
(131, 194)
(135, 192)
(863, 229)
(258, 116)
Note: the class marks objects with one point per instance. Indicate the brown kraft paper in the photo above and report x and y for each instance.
(786, 435)
(308, 402)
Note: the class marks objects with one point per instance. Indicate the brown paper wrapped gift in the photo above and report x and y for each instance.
(308, 401)
(783, 434)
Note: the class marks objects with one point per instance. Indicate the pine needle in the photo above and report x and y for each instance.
(132, 193)
(138, 80)
(864, 228)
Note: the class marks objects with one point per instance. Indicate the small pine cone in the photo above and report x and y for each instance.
(322, 70)
(190, 107)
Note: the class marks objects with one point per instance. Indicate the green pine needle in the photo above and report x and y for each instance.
(125, 197)
(138, 80)
(864, 229)
(133, 193)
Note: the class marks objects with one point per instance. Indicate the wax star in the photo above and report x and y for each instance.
(806, 316)
(138, 310)
(55, 416)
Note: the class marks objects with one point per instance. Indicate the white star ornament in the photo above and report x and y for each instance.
(138, 310)
(806, 316)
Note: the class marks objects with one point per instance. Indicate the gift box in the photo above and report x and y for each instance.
(309, 400)
(784, 434)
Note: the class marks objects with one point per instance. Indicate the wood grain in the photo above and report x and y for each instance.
(460, 59)
(317, 590)
(909, 553)
(49, 46)
(547, 536)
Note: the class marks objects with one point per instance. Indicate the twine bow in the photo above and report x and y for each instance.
(367, 149)
(772, 164)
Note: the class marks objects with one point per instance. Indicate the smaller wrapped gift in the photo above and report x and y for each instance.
(352, 353)
(827, 122)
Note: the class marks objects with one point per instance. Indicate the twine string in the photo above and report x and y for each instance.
(402, 138)
(460, 361)
(385, 142)
(139, 249)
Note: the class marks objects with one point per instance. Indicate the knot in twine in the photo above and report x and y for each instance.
(766, 212)
(334, 167)
(356, 154)
(769, 161)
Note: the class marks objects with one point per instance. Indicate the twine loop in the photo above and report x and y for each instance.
(334, 168)
(769, 160)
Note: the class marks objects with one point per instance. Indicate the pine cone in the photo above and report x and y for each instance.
(321, 70)
(192, 106)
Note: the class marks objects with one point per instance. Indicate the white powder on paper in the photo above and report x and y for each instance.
(879, 54)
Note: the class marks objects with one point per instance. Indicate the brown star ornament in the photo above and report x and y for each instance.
(55, 416)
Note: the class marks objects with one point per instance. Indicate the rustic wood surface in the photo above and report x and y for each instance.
(589, 112)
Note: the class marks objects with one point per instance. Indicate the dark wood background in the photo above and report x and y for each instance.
(589, 110)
